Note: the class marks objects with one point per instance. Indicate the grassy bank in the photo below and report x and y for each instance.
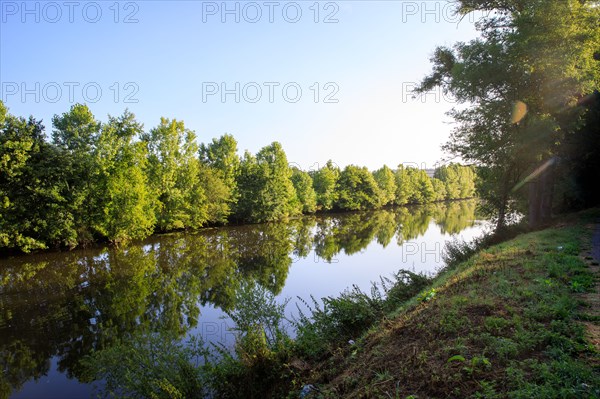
(514, 320)
(509, 322)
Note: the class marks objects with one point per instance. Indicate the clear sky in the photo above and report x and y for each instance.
(329, 80)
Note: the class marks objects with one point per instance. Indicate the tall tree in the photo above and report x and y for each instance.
(174, 176)
(219, 173)
(249, 185)
(126, 203)
(439, 189)
(404, 186)
(221, 154)
(266, 191)
(324, 183)
(448, 175)
(357, 189)
(219, 196)
(533, 61)
(303, 184)
(387, 184)
(467, 180)
(459, 181)
(75, 134)
(32, 187)
(422, 190)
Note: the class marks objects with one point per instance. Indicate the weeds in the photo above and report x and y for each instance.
(347, 317)
(152, 365)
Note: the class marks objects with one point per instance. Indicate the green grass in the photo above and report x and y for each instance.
(504, 323)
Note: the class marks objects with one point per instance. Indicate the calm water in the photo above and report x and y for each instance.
(55, 308)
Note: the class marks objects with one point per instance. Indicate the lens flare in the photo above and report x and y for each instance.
(519, 111)
(535, 173)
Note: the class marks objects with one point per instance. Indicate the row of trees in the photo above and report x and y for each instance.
(114, 181)
(530, 107)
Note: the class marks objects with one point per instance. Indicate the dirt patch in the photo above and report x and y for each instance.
(596, 244)
(592, 299)
(479, 310)
(593, 333)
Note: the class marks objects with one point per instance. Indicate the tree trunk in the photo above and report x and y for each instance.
(502, 213)
(546, 190)
(534, 203)
(501, 218)
(541, 189)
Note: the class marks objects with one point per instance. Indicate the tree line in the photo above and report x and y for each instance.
(93, 181)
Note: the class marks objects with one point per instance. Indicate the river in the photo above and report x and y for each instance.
(58, 307)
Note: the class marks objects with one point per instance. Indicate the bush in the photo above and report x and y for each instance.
(261, 348)
(151, 365)
(348, 316)
(459, 251)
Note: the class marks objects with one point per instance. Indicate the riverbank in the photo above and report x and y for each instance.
(515, 320)
(518, 319)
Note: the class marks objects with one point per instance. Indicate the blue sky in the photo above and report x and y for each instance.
(346, 82)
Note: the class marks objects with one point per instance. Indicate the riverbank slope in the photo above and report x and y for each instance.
(517, 320)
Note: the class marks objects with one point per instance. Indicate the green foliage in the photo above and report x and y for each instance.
(219, 196)
(348, 316)
(457, 251)
(152, 365)
(256, 308)
(439, 189)
(402, 288)
(357, 189)
(16, 145)
(458, 180)
(174, 176)
(115, 182)
(387, 185)
(427, 295)
(477, 364)
(219, 176)
(261, 346)
(456, 358)
(523, 81)
(404, 188)
(303, 184)
(324, 183)
(266, 191)
(422, 190)
(75, 134)
(221, 154)
(126, 204)
(34, 188)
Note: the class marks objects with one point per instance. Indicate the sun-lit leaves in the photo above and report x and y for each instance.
(116, 182)
(522, 82)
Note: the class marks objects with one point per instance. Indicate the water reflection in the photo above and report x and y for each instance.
(63, 306)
